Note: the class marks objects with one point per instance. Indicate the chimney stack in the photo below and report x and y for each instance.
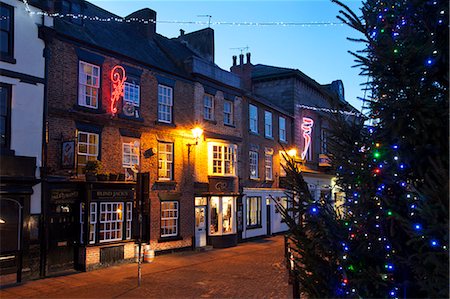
(234, 60)
(248, 57)
(181, 32)
(148, 26)
(241, 59)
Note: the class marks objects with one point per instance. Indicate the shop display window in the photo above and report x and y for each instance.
(222, 211)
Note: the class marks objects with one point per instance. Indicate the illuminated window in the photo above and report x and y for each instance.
(222, 159)
(131, 99)
(88, 84)
(87, 149)
(129, 220)
(6, 32)
(282, 128)
(111, 221)
(208, 107)
(5, 115)
(253, 161)
(169, 218)
(165, 161)
(228, 112)
(253, 211)
(283, 163)
(221, 220)
(130, 153)
(268, 163)
(268, 124)
(253, 118)
(165, 103)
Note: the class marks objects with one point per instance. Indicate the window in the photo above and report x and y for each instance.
(111, 221)
(221, 220)
(283, 163)
(268, 165)
(130, 154)
(88, 84)
(282, 128)
(323, 141)
(253, 117)
(5, 115)
(131, 99)
(6, 32)
(165, 161)
(165, 103)
(92, 222)
(253, 158)
(253, 211)
(129, 220)
(268, 124)
(87, 149)
(169, 218)
(228, 112)
(222, 159)
(208, 107)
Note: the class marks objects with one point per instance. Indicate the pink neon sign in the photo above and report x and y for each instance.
(307, 125)
(118, 79)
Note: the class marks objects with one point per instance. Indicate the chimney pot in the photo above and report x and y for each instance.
(181, 32)
(241, 59)
(234, 60)
(248, 58)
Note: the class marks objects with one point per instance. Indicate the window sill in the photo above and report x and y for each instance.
(109, 243)
(169, 239)
(255, 179)
(254, 133)
(229, 125)
(123, 116)
(162, 182)
(214, 122)
(254, 227)
(87, 109)
(161, 123)
(269, 137)
(270, 181)
(283, 141)
(8, 59)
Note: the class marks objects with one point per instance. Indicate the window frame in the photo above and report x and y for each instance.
(228, 115)
(9, 55)
(268, 166)
(87, 143)
(253, 166)
(167, 103)
(230, 156)
(253, 121)
(80, 95)
(130, 154)
(176, 218)
(282, 129)
(268, 125)
(220, 219)
(210, 108)
(250, 212)
(7, 115)
(166, 162)
(110, 222)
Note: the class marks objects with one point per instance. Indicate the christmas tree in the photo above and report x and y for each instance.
(392, 240)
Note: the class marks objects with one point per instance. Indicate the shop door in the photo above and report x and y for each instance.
(62, 236)
(200, 226)
(269, 215)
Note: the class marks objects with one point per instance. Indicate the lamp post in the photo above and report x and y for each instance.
(196, 133)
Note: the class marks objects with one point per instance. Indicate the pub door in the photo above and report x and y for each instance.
(62, 237)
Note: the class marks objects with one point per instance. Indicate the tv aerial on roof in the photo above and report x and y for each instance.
(241, 49)
(209, 19)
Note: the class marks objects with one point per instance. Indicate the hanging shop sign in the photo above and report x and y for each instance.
(118, 78)
(307, 126)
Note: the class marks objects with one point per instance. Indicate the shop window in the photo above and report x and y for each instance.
(131, 98)
(222, 159)
(88, 84)
(253, 211)
(228, 112)
(111, 221)
(169, 218)
(268, 124)
(129, 220)
(165, 103)
(282, 128)
(165, 161)
(253, 161)
(88, 149)
(268, 161)
(5, 115)
(253, 118)
(208, 107)
(7, 33)
(221, 221)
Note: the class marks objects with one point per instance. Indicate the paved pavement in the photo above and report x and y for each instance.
(250, 270)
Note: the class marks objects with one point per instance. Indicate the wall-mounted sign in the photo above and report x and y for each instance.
(118, 79)
(307, 125)
(324, 160)
(68, 154)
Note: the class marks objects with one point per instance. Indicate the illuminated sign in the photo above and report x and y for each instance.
(307, 125)
(118, 79)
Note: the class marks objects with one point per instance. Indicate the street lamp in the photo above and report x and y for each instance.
(197, 132)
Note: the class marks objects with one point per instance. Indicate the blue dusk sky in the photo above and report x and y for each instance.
(321, 52)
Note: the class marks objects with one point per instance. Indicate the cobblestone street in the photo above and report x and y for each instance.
(251, 270)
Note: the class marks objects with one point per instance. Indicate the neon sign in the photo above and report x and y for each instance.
(307, 125)
(118, 79)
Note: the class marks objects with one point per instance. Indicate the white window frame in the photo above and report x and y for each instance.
(170, 215)
(222, 159)
(92, 222)
(109, 224)
(254, 212)
(253, 164)
(268, 124)
(282, 128)
(268, 166)
(129, 219)
(165, 165)
(88, 81)
(221, 221)
(131, 151)
(165, 103)
(89, 156)
(131, 94)
(208, 107)
(228, 112)
(253, 118)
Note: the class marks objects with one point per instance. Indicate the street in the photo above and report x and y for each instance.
(253, 269)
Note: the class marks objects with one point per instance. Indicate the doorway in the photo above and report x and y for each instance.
(269, 215)
(200, 226)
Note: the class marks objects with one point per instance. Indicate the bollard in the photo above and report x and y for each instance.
(136, 253)
(149, 255)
